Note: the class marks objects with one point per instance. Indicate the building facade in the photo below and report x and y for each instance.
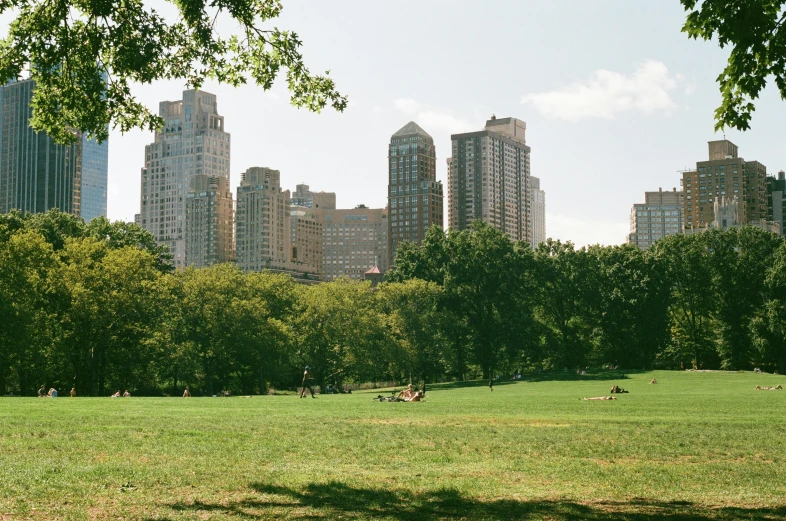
(538, 198)
(304, 197)
(415, 197)
(724, 174)
(726, 211)
(209, 222)
(776, 200)
(36, 174)
(489, 179)
(660, 215)
(262, 223)
(353, 241)
(192, 142)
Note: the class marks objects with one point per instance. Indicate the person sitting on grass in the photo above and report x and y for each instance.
(601, 398)
(776, 388)
(42, 392)
(616, 389)
(653, 381)
(126, 394)
(116, 395)
(417, 397)
(407, 393)
(52, 393)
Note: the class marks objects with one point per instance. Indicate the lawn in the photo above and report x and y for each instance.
(693, 446)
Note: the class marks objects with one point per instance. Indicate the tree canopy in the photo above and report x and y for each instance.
(755, 32)
(85, 57)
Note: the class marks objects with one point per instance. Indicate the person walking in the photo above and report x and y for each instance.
(186, 393)
(306, 383)
(491, 384)
(73, 392)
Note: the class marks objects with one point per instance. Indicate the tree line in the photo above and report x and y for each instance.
(99, 307)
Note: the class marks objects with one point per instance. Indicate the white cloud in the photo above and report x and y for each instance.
(432, 118)
(582, 232)
(608, 93)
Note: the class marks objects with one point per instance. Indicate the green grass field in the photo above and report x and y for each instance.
(694, 446)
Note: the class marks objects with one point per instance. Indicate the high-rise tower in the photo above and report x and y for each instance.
(415, 196)
(192, 142)
(36, 174)
(489, 179)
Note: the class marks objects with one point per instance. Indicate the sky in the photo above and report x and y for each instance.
(616, 100)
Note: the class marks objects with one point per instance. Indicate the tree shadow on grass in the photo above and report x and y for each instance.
(561, 376)
(323, 501)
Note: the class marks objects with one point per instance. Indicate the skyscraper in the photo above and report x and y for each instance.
(660, 215)
(489, 179)
(415, 197)
(262, 222)
(538, 198)
(192, 142)
(209, 222)
(37, 174)
(724, 174)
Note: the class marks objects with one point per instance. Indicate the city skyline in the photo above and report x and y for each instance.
(607, 121)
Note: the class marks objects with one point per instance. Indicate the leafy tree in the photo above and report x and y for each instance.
(684, 259)
(769, 323)
(485, 278)
(343, 336)
(85, 57)
(633, 306)
(28, 287)
(568, 304)
(414, 311)
(120, 234)
(110, 318)
(755, 32)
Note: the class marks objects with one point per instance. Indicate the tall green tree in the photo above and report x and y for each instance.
(86, 56)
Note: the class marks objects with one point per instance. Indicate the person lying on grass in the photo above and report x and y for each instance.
(601, 398)
(776, 388)
(416, 397)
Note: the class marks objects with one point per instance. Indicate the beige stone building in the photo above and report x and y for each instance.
(489, 179)
(660, 215)
(209, 222)
(192, 142)
(726, 211)
(724, 174)
(262, 221)
(353, 241)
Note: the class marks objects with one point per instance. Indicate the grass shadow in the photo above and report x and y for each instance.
(561, 376)
(333, 500)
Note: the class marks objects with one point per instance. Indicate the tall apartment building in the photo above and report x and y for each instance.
(262, 234)
(660, 215)
(305, 198)
(724, 174)
(538, 198)
(415, 197)
(489, 179)
(209, 222)
(353, 241)
(192, 142)
(776, 200)
(37, 174)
